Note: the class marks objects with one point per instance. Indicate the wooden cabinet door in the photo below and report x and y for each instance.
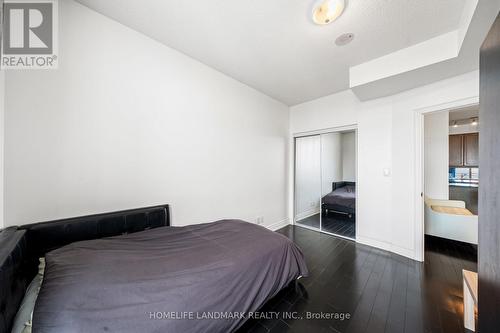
(471, 149)
(456, 150)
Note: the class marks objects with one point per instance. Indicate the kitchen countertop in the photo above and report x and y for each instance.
(464, 185)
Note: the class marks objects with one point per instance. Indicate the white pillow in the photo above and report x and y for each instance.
(24, 316)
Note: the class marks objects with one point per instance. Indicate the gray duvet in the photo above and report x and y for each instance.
(200, 278)
(344, 198)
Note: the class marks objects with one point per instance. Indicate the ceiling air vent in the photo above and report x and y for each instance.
(344, 39)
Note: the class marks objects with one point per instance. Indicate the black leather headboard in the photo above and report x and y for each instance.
(46, 236)
(20, 247)
(336, 185)
(14, 274)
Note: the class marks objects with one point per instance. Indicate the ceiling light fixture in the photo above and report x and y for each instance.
(327, 11)
(455, 124)
(474, 121)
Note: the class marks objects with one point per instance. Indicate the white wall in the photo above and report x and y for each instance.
(386, 140)
(436, 155)
(331, 161)
(127, 122)
(349, 156)
(308, 176)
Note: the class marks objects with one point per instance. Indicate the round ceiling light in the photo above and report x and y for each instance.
(327, 11)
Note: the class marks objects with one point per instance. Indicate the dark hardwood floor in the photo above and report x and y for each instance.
(381, 291)
(310, 221)
(334, 223)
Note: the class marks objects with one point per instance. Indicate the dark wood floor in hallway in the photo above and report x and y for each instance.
(381, 291)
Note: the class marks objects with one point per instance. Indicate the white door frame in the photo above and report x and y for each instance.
(419, 164)
(351, 127)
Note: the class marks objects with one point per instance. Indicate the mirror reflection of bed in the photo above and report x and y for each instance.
(338, 209)
(325, 182)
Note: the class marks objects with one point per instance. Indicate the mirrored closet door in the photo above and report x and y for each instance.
(338, 183)
(325, 182)
(308, 181)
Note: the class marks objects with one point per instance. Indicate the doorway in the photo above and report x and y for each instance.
(424, 194)
(451, 174)
(325, 182)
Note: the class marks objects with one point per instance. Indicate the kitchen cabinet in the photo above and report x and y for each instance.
(464, 150)
(471, 150)
(456, 150)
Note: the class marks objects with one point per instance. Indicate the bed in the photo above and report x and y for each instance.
(342, 199)
(130, 271)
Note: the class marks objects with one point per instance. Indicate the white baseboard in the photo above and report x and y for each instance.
(307, 213)
(408, 253)
(387, 247)
(278, 225)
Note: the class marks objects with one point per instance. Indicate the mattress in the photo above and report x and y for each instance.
(199, 278)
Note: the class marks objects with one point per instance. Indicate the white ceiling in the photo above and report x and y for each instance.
(274, 47)
(464, 113)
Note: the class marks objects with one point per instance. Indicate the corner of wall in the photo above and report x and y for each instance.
(278, 225)
(2, 136)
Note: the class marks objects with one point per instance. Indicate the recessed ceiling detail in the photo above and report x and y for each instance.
(393, 72)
